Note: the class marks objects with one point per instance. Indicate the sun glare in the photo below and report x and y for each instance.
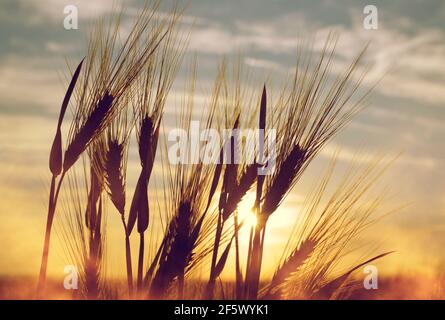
(250, 220)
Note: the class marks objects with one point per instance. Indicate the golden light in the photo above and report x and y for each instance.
(246, 212)
(250, 220)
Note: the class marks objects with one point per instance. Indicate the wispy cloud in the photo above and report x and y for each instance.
(410, 64)
(349, 155)
(29, 84)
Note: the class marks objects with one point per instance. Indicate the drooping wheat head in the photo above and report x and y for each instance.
(326, 228)
(191, 188)
(313, 109)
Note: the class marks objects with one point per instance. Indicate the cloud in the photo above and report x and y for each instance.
(212, 40)
(350, 155)
(424, 91)
(411, 61)
(409, 65)
(253, 35)
(263, 63)
(29, 83)
(59, 48)
(422, 122)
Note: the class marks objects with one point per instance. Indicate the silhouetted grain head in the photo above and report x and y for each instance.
(286, 172)
(176, 252)
(195, 193)
(313, 109)
(85, 134)
(151, 94)
(189, 189)
(116, 147)
(245, 183)
(328, 290)
(290, 266)
(333, 225)
(114, 173)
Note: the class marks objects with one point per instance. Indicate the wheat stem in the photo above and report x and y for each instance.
(128, 258)
(141, 260)
(211, 284)
(53, 196)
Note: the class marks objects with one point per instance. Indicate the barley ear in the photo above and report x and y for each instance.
(291, 265)
(93, 126)
(115, 180)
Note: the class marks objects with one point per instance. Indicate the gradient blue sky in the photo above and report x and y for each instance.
(405, 113)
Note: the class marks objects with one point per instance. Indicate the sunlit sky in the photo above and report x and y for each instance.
(404, 115)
